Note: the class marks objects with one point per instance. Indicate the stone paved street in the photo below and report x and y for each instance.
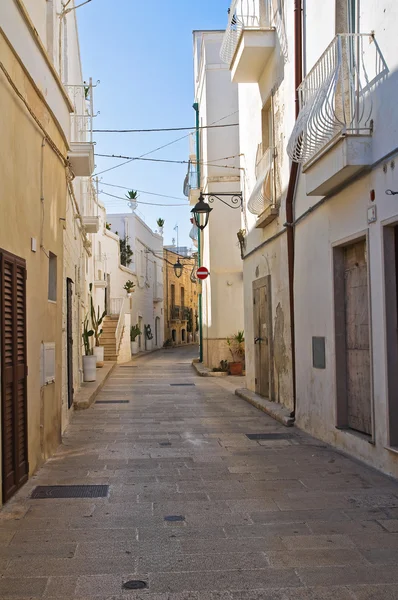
(276, 519)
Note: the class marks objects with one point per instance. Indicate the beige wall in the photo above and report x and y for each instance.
(191, 291)
(26, 216)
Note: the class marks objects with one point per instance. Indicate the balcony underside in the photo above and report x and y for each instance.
(337, 164)
(81, 158)
(267, 216)
(91, 224)
(252, 54)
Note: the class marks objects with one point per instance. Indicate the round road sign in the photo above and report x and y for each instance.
(202, 273)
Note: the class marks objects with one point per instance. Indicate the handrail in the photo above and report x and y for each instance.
(82, 119)
(121, 323)
(336, 95)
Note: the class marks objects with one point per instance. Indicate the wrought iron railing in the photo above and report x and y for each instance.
(263, 194)
(185, 313)
(244, 14)
(82, 119)
(336, 95)
(121, 322)
(175, 313)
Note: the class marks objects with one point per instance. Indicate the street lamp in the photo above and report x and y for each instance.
(202, 208)
(178, 268)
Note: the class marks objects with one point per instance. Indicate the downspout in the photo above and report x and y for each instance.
(291, 190)
(198, 171)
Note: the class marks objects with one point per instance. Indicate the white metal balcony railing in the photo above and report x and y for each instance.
(243, 14)
(191, 179)
(82, 119)
(336, 95)
(263, 194)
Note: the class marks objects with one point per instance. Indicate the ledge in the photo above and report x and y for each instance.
(203, 371)
(88, 392)
(276, 411)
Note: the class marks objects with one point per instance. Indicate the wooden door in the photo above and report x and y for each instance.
(262, 335)
(14, 373)
(69, 339)
(357, 338)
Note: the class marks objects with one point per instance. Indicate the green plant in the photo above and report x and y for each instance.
(86, 335)
(126, 252)
(132, 195)
(129, 286)
(168, 343)
(190, 321)
(96, 318)
(148, 332)
(236, 345)
(223, 368)
(135, 331)
(160, 222)
(108, 226)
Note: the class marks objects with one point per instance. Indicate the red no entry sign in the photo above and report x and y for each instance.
(202, 273)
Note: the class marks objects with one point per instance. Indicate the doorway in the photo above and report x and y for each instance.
(262, 321)
(69, 339)
(14, 373)
(353, 358)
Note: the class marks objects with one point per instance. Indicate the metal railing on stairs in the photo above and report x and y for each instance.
(121, 322)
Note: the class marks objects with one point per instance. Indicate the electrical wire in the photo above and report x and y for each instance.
(163, 160)
(141, 202)
(162, 129)
(121, 187)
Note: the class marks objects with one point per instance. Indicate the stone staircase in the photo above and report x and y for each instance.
(108, 338)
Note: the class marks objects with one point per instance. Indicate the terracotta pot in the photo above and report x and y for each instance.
(235, 368)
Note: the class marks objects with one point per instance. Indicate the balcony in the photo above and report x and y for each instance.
(249, 39)
(262, 201)
(185, 313)
(81, 153)
(91, 224)
(332, 137)
(175, 313)
(158, 292)
(191, 189)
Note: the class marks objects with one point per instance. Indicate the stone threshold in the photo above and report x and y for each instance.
(276, 411)
(88, 392)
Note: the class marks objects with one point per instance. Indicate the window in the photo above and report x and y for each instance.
(173, 295)
(182, 297)
(52, 277)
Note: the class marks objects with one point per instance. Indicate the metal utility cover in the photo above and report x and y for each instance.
(174, 518)
(268, 436)
(318, 353)
(135, 584)
(113, 402)
(164, 444)
(182, 384)
(69, 491)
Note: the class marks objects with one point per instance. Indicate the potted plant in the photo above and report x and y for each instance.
(96, 321)
(89, 360)
(236, 345)
(190, 326)
(135, 331)
(160, 224)
(129, 287)
(108, 226)
(148, 337)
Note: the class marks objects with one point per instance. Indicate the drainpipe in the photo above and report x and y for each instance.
(291, 190)
(196, 108)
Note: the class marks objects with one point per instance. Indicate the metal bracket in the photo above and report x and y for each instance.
(235, 199)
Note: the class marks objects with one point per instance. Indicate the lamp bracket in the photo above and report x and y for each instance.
(235, 199)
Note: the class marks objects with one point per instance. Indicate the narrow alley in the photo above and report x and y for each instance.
(195, 509)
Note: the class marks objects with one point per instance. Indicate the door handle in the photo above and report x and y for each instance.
(257, 339)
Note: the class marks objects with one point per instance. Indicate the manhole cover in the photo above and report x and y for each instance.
(69, 491)
(182, 384)
(269, 436)
(174, 518)
(113, 402)
(135, 584)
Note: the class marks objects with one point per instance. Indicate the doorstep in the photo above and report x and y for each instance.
(88, 392)
(274, 410)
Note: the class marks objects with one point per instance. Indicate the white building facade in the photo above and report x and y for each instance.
(216, 99)
(320, 265)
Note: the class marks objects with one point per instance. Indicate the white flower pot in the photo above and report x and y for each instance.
(190, 338)
(99, 354)
(89, 368)
(148, 345)
(134, 347)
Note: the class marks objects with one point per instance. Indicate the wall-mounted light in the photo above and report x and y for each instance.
(178, 269)
(202, 208)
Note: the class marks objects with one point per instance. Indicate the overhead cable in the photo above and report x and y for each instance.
(122, 187)
(163, 129)
(141, 202)
(163, 160)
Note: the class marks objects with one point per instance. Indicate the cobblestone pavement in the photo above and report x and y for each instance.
(277, 519)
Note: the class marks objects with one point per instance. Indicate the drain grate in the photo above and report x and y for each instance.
(128, 367)
(174, 518)
(69, 491)
(182, 384)
(164, 444)
(135, 584)
(113, 402)
(269, 436)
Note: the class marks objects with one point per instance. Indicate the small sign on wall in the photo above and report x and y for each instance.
(372, 214)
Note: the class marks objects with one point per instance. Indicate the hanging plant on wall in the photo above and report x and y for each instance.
(148, 332)
(126, 252)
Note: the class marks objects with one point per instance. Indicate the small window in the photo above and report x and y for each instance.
(52, 277)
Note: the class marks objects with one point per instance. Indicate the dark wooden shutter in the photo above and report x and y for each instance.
(13, 373)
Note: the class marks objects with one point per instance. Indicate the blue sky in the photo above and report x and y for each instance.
(142, 53)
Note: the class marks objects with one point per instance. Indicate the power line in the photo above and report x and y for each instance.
(163, 160)
(141, 202)
(122, 187)
(162, 129)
